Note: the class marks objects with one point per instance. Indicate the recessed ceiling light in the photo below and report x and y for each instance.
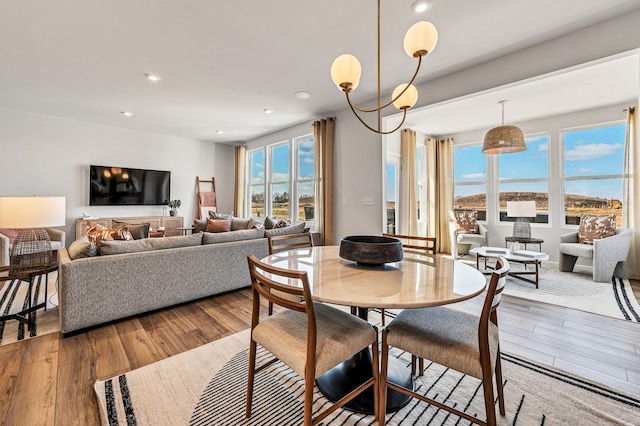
(153, 77)
(268, 110)
(421, 6)
(219, 132)
(302, 95)
(126, 113)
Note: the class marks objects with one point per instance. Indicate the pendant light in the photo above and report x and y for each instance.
(503, 139)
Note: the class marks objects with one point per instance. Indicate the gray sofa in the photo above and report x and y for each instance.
(100, 289)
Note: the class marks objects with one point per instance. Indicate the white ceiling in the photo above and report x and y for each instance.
(223, 62)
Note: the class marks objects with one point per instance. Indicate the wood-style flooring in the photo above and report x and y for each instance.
(49, 380)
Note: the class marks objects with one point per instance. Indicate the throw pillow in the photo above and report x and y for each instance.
(282, 223)
(594, 227)
(288, 230)
(138, 230)
(239, 223)
(255, 224)
(269, 222)
(466, 221)
(199, 225)
(96, 232)
(220, 216)
(82, 248)
(218, 225)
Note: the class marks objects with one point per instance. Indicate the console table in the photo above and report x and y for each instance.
(171, 223)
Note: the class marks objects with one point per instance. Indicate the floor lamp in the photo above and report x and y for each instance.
(522, 210)
(32, 246)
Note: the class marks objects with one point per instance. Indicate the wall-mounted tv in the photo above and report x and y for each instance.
(126, 186)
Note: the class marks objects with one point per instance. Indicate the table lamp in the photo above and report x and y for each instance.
(32, 246)
(521, 210)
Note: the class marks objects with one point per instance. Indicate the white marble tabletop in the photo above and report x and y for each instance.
(417, 281)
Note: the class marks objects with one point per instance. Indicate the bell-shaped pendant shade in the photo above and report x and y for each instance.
(408, 98)
(346, 71)
(420, 39)
(504, 140)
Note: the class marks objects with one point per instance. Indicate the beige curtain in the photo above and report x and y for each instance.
(440, 190)
(323, 135)
(408, 184)
(239, 197)
(631, 191)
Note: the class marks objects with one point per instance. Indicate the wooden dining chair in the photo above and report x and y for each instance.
(310, 337)
(287, 242)
(458, 340)
(422, 245)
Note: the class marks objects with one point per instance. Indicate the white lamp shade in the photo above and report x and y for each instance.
(521, 208)
(346, 71)
(421, 38)
(408, 98)
(31, 212)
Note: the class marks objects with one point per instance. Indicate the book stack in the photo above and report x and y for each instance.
(529, 254)
(497, 250)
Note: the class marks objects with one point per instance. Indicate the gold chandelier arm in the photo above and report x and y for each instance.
(415, 74)
(404, 116)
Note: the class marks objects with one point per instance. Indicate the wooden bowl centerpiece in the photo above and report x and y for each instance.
(371, 249)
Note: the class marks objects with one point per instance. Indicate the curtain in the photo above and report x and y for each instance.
(440, 190)
(323, 135)
(631, 191)
(408, 184)
(239, 188)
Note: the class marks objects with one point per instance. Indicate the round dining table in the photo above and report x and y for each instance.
(417, 281)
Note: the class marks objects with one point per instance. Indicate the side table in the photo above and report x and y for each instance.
(28, 275)
(524, 241)
(185, 229)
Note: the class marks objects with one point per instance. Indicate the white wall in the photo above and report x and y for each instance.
(45, 155)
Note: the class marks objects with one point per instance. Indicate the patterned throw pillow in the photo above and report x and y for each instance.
(593, 227)
(466, 221)
(218, 225)
(282, 223)
(138, 230)
(96, 232)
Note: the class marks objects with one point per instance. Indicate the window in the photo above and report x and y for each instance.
(305, 182)
(420, 150)
(392, 189)
(524, 176)
(470, 179)
(256, 183)
(282, 180)
(593, 172)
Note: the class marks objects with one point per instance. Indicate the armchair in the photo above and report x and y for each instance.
(462, 242)
(609, 254)
(56, 236)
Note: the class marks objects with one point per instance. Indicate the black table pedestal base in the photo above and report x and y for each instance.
(345, 377)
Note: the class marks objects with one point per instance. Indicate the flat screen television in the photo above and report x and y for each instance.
(126, 186)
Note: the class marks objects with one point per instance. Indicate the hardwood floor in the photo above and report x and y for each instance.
(49, 380)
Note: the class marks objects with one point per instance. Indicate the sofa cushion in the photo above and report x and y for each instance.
(138, 230)
(594, 227)
(119, 247)
(218, 225)
(96, 233)
(82, 248)
(466, 221)
(577, 249)
(293, 229)
(220, 216)
(225, 237)
(238, 223)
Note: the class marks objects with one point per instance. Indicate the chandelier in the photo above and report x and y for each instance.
(419, 40)
(504, 139)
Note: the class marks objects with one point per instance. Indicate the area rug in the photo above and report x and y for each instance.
(207, 386)
(14, 298)
(578, 291)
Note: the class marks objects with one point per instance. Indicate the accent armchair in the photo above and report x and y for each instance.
(462, 242)
(609, 255)
(56, 236)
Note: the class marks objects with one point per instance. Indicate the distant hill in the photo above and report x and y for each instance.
(541, 199)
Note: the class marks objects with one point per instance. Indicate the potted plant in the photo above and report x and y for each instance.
(173, 206)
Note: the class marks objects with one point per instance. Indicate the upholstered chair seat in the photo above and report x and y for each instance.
(443, 335)
(340, 336)
(56, 236)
